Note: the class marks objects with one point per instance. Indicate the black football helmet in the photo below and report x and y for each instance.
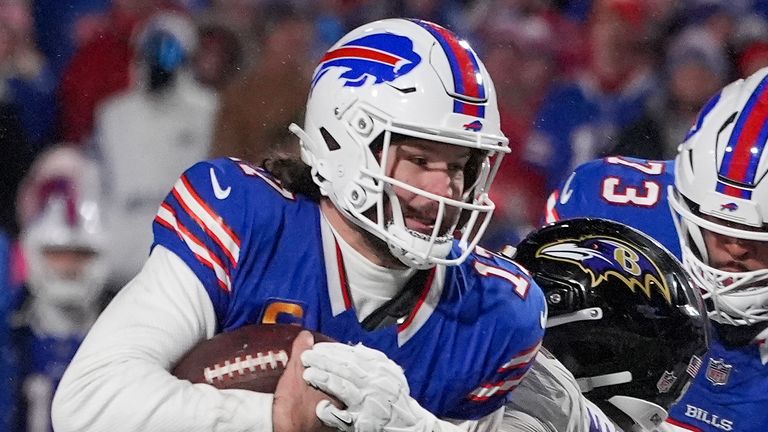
(624, 317)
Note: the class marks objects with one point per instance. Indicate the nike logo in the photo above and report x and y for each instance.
(565, 196)
(403, 90)
(543, 319)
(346, 422)
(217, 189)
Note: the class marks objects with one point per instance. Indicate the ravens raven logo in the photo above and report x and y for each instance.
(604, 257)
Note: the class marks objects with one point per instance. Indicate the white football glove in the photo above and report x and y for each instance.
(373, 388)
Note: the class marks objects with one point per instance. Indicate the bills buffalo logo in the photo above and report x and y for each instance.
(604, 257)
(731, 206)
(475, 126)
(718, 372)
(383, 57)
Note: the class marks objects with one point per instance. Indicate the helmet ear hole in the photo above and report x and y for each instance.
(329, 140)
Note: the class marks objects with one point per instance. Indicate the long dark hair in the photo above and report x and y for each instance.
(293, 174)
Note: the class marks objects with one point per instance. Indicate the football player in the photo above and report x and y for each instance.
(711, 207)
(625, 321)
(370, 239)
(62, 241)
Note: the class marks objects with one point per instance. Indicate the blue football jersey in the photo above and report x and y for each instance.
(627, 190)
(730, 388)
(45, 358)
(728, 393)
(264, 255)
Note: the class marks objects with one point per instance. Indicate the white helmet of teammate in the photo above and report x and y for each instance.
(409, 78)
(59, 214)
(721, 189)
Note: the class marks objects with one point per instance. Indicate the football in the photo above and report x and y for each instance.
(249, 358)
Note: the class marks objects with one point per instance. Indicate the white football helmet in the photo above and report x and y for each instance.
(411, 78)
(59, 211)
(721, 185)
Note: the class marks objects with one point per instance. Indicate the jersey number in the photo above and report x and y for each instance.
(646, 196)
(520, 283)
(282, 312)
(255, 172)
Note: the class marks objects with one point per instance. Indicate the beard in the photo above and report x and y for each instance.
(422, 219)
(420, 222)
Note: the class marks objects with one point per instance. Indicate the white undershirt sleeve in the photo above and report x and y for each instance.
(119, 379)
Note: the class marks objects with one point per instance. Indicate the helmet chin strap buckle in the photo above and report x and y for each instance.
(588, 384)
(588, 314)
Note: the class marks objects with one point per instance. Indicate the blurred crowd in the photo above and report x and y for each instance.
(141, 89)
(150, 86)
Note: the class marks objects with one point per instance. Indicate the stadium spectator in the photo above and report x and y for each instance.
(695, 68)
(521, 53)
(16, 158)
(753, 58)
(218, 57)
(256, 107)
(62, 27)
(63, 243)
(101, 67)
(27, 80)
(147, 136)
(581, 117)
